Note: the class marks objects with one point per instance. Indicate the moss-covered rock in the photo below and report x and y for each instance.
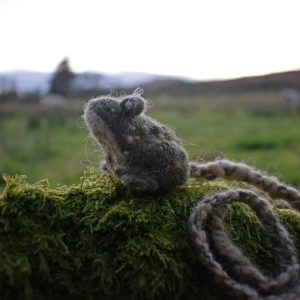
(99, 240)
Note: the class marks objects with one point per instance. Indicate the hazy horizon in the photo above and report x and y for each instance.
(146, 73)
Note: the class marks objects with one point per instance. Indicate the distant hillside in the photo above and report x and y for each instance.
(26, 81)
(273, 81)
(125, 80)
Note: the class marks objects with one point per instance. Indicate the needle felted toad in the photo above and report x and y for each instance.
(141, 152)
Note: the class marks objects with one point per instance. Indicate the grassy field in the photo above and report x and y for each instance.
(58, 147)
(269, 143)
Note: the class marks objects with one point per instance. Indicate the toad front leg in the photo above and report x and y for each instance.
(139, 180)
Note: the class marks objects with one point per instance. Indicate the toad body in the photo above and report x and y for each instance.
(141, 152)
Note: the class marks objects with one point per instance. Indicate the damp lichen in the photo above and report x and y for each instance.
(100, 240)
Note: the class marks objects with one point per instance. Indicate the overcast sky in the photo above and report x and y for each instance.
(198, 39)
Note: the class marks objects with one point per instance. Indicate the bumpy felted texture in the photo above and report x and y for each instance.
(140, 151)
(100, 240)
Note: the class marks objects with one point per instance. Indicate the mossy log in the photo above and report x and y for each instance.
(100, 240)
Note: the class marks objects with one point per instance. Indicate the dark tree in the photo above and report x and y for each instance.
(62, 78)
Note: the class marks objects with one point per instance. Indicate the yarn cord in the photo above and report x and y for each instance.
(251, 283)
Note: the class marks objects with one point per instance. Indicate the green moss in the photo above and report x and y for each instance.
(99, 240)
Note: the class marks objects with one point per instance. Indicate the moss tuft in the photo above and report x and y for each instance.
(100, 240)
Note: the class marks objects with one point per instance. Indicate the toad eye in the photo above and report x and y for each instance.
(132, 106)
(128, 105)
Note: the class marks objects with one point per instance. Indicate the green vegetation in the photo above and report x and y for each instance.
(56, 146)
(99, 240)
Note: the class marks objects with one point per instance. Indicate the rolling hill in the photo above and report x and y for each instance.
(26, 81)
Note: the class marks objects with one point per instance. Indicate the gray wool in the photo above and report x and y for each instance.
(246, 281)
(146, 155)
(140, 151)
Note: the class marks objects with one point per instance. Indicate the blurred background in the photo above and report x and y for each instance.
(223, 74)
